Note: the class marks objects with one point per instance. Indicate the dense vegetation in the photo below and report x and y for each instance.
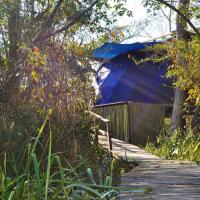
(52, 176)
(46, 149)
(188, 72)
(179, 145)
(183, 144)
(181, 140)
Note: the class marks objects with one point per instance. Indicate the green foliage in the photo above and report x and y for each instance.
(177, 146)
(152, 6)
(48, 179)
(184, 70)
(51, 76)
(45, 82)
(187, 73)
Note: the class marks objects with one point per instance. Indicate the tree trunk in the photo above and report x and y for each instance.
(195, 118)
(178, 120)
(14, 36)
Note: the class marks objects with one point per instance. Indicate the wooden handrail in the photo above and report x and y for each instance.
(98, 116)
(108, 128)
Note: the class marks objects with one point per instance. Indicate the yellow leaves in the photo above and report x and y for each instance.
(118, 33)
(80, 51)
(186, 57)
(21, 87)
(36, 51)
(50, 111)
(198, 100)
(77, 49)
(42, 62)
(35, 58)
(191, 92)
(121, 34)
(113, 34)
(35, 76)
(83, 62)
(49, 81)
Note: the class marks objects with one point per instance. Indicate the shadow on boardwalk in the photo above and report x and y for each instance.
(169, 179)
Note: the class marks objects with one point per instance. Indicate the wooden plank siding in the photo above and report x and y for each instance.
(133, 122)
(118, 116)
(145, 121)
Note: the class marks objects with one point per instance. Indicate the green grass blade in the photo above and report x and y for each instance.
(37, 173)
(48, 164)
(73, 170)
(111, 172)
(100, 177)
(86, 188)
(108, 181)
(57, 158)
(11, 195)
(108, 193)
(90, 175)
(40, 133)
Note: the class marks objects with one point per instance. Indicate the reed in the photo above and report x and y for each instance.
(55, 181)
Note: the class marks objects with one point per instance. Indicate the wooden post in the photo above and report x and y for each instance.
(129, 139)
(96, 138)
(108, 130)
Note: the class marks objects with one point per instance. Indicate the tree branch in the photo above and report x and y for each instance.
(67, 26)
(48, 21)
(196, 30)
(53, 13)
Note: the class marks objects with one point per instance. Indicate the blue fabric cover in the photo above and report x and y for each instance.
(111, 50)
(126, 81)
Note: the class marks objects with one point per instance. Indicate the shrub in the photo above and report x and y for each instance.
(179, 145)
(44, 177)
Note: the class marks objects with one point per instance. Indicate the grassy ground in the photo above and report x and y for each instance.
(179, 145)
(47, 177)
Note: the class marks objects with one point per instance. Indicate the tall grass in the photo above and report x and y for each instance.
(54, 181)
(179, 145)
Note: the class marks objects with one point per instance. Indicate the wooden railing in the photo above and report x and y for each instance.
(133, 122)
(98, 132)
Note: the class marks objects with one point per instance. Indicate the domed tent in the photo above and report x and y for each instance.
(120, 78)
(134, 92)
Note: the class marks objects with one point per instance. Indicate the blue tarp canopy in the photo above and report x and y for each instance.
(111, 50)
(121, 79)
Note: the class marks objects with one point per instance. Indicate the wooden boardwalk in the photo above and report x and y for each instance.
(169, 179)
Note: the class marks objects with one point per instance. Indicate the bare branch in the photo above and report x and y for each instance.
(67, 26)
(49, 20)
(196, 30)
(53, 14)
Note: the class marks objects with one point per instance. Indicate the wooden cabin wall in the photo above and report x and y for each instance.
(145, 122)
(134, 122)
(118, 115)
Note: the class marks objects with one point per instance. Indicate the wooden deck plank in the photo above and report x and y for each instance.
(169, 179)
